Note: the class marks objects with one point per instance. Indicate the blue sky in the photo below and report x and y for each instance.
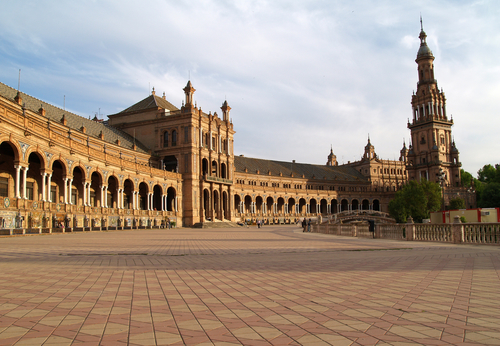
(300, 76)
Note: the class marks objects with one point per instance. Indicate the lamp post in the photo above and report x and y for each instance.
(441, 178)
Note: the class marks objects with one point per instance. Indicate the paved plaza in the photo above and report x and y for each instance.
(245, 286)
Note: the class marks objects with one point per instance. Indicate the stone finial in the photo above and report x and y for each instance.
(42, 111)
(18, 99)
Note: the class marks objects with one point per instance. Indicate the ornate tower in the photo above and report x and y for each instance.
(432, 149)
(369, 151)
(332, 159)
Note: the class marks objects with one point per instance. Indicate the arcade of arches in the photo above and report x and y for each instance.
(153, 164)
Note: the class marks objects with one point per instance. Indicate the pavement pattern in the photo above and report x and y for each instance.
(245, 286)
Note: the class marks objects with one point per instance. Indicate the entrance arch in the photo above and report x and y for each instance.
(7, 171)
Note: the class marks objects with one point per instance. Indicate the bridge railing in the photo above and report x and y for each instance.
(358, 215)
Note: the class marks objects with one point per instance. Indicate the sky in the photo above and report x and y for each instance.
(301, 77)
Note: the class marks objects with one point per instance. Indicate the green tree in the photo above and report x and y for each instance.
(433, 196)
(416, 200)
(466, 178)
(489, 174)
(457, 203)
(486, 195)
(490, 196)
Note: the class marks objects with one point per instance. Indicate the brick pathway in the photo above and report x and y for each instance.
(269, 286)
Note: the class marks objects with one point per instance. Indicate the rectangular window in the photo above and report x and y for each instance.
(73, 195)
(53, 194)
(4, 187)
(92, 198)
(29, 190)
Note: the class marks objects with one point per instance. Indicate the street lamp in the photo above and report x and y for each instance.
(441, 178)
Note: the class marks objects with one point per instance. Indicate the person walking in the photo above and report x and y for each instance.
(309, 226)
(304, 225)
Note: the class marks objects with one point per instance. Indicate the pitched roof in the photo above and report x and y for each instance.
(74, 121)
(152, 101)
(309, 171)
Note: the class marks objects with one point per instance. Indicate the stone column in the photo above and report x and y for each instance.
(119, 199)
(49, 188)
(105, 202)
(25, 175)
(457, 231)
(70, 190)
(44, 179)
(84, 196)
(65, 190)
(410, 229)
(18, 181)
(102, 195)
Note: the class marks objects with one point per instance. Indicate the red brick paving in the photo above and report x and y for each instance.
(268, 286)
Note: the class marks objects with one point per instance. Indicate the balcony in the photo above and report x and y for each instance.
(217, 180)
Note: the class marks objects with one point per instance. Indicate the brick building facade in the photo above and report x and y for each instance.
(154, 162)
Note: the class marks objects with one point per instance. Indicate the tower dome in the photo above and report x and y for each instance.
(424, 51)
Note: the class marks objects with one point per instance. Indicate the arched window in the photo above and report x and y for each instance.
(165, 139)
(174, 138)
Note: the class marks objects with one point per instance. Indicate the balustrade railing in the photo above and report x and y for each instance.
(457, 233)
(433, 232)
(482, 233)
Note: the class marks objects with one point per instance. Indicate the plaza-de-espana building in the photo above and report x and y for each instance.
(154, 162)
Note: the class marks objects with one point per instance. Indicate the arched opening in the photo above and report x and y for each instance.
(324, 207)
(170, 163)
(214, 168)
(157, 196)
(128, 194)
(334, 206)
(171, 197)
(57, 182)
(216, 200)
(206, 204)
(225, 205)
(165, 139)
(366, 204)
(7, 172)
(376, 205)
(291, 205)
(77, 197)
(174, 138)
(34, 178)
(248, 204)
(143, 196)
(237, 201)
(204, 166)
(313, 206)
(269, 205)
(344, 205)
(95, 190)
(355, 204)
(280, 205)
(258, 204)
(302, 206)
(223, 171)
